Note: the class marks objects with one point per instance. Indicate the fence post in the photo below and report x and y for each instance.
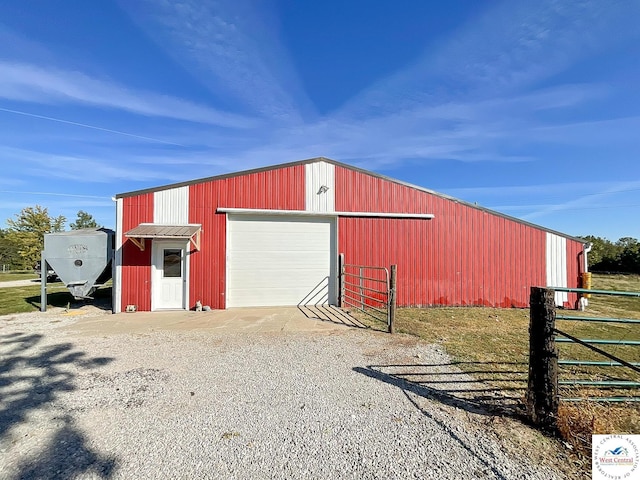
(341, 280)
(361, 285)
(542, 391)
(392, 298)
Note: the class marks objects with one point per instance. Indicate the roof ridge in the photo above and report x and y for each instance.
(350, 167)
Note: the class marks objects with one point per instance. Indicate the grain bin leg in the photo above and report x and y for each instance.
(43, 283)
(341, 280)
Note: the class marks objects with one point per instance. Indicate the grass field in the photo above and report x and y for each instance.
(17, 275)
(27, 299)
(494, 345)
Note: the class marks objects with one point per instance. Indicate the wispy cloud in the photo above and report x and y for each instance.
(585, 201)
(83, 169)
(464, 131)
(36, 84)
(563, 207)
(56, 205)
(546, 189)
(85, 125)
(54, 194)
(8, 181)
(233, 46)
(511, 47)
(608, 132)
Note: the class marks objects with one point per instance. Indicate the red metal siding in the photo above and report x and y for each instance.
(464, 256)
(281, 189)
(136, 264)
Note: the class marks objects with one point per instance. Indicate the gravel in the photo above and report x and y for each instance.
(187, 404)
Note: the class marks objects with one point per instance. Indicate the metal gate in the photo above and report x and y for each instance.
(543, 393)
(370, 290)
(590, 344)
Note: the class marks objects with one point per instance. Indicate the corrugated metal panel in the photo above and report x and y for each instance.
(282, 189)
(556, 255)
(136, 264)
(171, 207)
(151, 230)
(320, 187)
(464, 256)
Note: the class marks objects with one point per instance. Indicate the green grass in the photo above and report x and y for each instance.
(27, 299)
(17, 275)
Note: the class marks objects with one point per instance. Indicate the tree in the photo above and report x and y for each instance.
(603, 255)
(629, 255)
(27, 231)
(84, 220)
(9, 252)
(608, 256)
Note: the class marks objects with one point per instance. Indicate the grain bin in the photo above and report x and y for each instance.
(81, 258)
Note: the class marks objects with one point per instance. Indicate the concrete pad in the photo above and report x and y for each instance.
(233, 320)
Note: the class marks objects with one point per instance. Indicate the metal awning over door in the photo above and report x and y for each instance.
(189, 232)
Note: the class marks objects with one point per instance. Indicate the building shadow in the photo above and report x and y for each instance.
(437, 382)
(315, 305)
(330, 313)
(32, 377)
(485, 388)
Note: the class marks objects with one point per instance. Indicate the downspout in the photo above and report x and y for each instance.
(584, 301)
(587, 249)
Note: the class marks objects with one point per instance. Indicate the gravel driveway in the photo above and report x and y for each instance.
(19, 283)
(205, 404)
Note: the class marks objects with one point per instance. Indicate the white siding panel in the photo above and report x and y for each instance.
(277, 261)
(117, 278)
(556, 253)
(171, 207)
(317, 176)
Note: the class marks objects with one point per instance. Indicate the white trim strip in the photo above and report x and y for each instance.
(258, 211)
(117, 280)
(425, 216)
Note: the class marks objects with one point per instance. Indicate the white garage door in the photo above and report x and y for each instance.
(277, 260)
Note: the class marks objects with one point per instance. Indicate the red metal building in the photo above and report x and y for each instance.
(271, 236)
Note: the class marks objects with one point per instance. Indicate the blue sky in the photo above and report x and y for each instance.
(530, 108)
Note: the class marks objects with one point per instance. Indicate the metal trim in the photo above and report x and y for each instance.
(258, 211)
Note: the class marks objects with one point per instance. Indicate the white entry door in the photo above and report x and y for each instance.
(169, 275)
